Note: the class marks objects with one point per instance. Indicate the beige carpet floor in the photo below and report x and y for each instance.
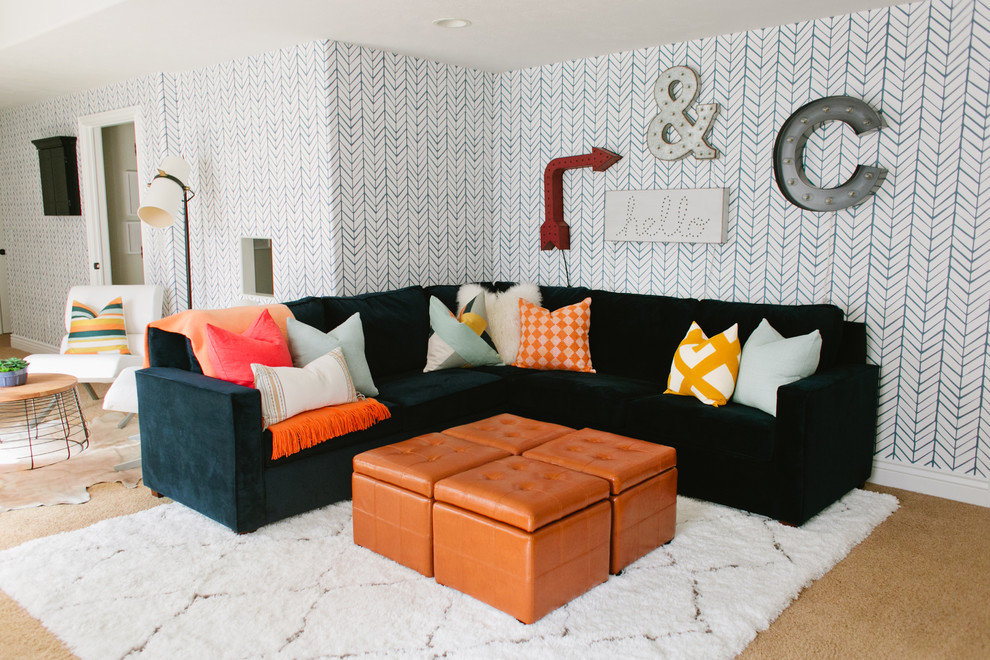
(918, 587)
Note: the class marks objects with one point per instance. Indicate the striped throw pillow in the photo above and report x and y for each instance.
(104, 332)
(706, 368)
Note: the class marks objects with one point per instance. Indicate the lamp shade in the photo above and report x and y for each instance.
(161, 202)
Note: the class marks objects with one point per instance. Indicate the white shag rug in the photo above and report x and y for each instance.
(170, 583)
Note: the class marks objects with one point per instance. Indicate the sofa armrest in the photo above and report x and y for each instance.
(826, 438)
(202, 444)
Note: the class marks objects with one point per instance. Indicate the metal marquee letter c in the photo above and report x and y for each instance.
(788, 155)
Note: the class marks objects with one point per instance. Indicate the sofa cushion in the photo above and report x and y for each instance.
(554, 339)
(635, 335)
(555, 297)
(431, 398)
(706, 368)
(789, 320)
(681, 421)
(459, 341)
(93, 332)
(396, 327)
(307, 343)
(288, 391)
(309, 311)
(232, 353)
(580, 399)
(769, 361)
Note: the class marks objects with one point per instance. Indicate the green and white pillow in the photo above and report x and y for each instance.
(459, 341)
(307, 343)
(770, 360)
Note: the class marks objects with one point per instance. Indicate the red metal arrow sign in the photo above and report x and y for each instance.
(554, 232)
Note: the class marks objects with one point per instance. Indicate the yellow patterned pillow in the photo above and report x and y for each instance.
(90, 332)
(706, 368)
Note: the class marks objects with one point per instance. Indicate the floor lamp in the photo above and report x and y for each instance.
(160, 205)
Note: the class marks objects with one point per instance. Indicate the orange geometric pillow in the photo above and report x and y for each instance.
(555, 340)
(706, 368)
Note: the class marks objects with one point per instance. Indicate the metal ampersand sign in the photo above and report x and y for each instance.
(672, 123)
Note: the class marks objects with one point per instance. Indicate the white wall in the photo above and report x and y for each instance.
(913, 263)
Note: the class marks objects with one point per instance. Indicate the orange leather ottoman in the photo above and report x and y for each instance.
(512, 433)
(392, 490)
(521, 535)
(643, 480)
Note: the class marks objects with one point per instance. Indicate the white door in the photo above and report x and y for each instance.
(4, 292)
(104, 234)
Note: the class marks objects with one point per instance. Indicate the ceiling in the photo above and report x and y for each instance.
(51, 48)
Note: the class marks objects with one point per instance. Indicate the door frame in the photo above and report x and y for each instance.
(94, 186)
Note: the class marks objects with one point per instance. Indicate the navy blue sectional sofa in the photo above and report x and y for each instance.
(202, 443)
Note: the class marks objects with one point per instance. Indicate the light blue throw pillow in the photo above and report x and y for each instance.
(769, 361)
(307, 343)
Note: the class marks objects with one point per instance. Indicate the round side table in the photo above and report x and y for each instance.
(41, 421)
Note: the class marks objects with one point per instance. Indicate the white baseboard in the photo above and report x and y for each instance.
(962, 488)
(30, 345)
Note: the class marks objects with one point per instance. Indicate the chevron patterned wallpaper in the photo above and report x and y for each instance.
(913, 263)
(48, 254)
(370, 170)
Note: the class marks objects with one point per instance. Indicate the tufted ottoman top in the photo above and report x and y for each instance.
(512, 433)
(522, 492)
(418, 463)
(624, 461)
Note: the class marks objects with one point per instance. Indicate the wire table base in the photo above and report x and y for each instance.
(42, 430)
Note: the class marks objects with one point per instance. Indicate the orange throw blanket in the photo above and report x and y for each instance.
(192, 324)
(308, 429)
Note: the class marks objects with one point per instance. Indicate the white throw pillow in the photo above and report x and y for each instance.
(288, 391)
(769, 361)
(503, 314)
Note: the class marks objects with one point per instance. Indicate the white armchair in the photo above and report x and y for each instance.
(142, 305)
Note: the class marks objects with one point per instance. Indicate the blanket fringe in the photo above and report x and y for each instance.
(310, 428)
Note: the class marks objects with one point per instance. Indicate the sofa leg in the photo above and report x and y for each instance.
(156, 493)
(127, 420)
(89, 390)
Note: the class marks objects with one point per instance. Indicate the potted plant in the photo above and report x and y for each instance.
(13, 371)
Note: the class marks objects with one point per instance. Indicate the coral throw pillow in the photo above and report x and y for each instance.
(232, 354)
(90, 332)
(706, 368)
(555, 340)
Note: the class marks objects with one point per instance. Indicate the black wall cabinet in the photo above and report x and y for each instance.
(59, 175)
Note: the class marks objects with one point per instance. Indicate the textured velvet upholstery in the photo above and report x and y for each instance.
(818, 447)
(555, 297)
(170, 349)
(826, 430)
(675, 420)
(396, 327)
(311, 311)
(203, 445)
(636, 335)
(714, 316)
(582, 399)
(430, 398)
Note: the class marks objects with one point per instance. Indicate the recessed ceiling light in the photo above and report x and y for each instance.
(452, 22)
